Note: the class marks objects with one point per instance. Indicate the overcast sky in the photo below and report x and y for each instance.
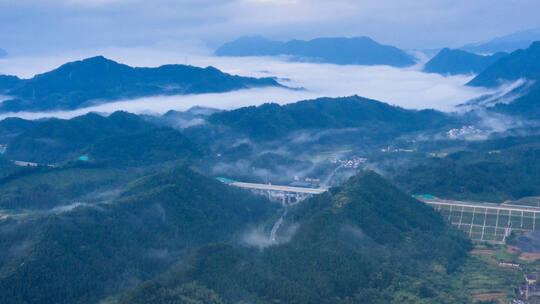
(33, 26)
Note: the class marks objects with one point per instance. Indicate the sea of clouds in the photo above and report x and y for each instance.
(406, 87)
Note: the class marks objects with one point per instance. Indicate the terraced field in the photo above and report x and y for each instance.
(488, 222)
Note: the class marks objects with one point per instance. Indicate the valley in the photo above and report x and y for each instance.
(269, 152)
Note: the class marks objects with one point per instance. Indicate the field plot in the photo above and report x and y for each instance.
(488, 222)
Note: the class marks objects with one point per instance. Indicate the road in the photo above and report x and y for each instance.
(481, 205)
(277, 188)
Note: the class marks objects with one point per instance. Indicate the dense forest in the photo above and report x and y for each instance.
(496, 175)
(82, 252)
(362, 242)
(283, 186)
(130, 212)
(120, 138)
(272, 121)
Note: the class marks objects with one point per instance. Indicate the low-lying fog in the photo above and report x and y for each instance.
(406, 87)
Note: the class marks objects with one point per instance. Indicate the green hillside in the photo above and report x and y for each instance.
(82, 253)
(363, 242)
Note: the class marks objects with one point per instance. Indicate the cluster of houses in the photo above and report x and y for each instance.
(464, 131)
(392, 149)
(530, 289)
(353, 163)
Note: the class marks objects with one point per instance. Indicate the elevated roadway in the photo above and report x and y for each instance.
(278, 188)
(286, 194)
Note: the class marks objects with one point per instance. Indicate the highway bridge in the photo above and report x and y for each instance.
(487, 221)
(286, 194)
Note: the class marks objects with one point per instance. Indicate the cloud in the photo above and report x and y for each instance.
(68, 208)
(408, 88)
(258, 238)
(38, 25)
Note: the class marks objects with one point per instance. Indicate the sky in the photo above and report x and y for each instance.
(46, 26)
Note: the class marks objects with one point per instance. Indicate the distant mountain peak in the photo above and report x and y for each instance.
(338, 50)
(519, 64)
(535, 46)
(455, 61)
(92, 60)
(507, 43)
(83, 82)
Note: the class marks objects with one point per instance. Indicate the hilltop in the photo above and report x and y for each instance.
(452, 62)
(118, 139)
(98, 80)
(270, 121)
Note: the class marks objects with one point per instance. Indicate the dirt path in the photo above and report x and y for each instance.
(489, 296)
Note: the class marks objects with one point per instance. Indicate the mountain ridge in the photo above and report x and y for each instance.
(269, 121)
(518, 64)
(347, 245)
(506, 43)
(98, 79)
(356, 50)
(453, 62)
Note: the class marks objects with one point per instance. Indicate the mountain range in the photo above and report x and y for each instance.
(519, 64)
(130, 211)
(357, 50)
(507, 43)
(523, 65)
(99, 80)
(272, 121)
(135, 223)
(452, 62)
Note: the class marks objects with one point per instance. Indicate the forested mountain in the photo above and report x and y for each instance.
(452, 62)
(526, 106)
(496, 170)
(120, 138)
(519, 64)
(357, 50)
(85, 252)
(271, 121)
(364, 242)
(97, 80)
